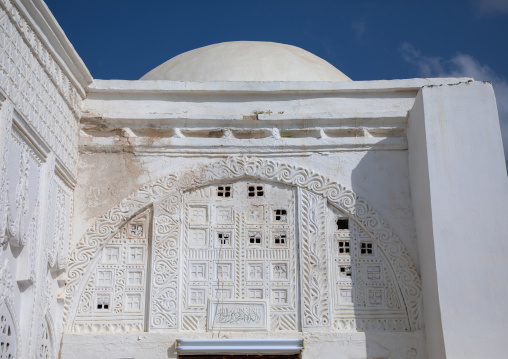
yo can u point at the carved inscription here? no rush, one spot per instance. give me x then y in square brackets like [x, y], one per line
[237, 315]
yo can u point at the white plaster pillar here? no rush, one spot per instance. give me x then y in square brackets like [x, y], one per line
[459, 191]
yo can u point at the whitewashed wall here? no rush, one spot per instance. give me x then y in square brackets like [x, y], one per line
[40, 109]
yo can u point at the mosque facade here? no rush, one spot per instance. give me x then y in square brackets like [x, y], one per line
[244, 198]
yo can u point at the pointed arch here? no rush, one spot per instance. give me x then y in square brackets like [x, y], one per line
[168, 187]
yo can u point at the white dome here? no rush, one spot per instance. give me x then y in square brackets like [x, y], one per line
[246, 61]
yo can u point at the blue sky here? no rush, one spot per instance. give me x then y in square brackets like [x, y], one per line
[367, 40]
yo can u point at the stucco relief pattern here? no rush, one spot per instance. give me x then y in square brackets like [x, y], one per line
[164, 294]
[22, 207]
[37, 86]
[315, 292]
[58, 229]
[9, 323]
[243, 167]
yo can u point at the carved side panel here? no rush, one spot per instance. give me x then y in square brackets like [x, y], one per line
[23, 189]
[365, 295]
[45, 348]
[7, 334]
[165, 250]
[34, 82]
[313, 261]
[114, 298]
[58, 230]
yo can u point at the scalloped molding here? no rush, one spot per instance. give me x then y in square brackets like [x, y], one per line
[85, 254]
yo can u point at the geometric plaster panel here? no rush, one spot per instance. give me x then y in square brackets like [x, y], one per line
[114, 297]
[166, 193]
[238, 255]
[37, 86]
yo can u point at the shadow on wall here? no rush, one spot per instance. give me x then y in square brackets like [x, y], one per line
[382, 179]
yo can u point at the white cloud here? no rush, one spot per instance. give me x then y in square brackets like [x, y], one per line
[463, 65]
[492, 6]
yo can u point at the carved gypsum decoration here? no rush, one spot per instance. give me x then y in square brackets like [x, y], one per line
[315, 293]
[7, 309]
[46, 83]
[234, 168]
[164, 286]
[119, 279]
[58, 218]
[6, 110]
[22, 211]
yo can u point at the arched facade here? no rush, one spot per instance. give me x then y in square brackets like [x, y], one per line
[317, 199]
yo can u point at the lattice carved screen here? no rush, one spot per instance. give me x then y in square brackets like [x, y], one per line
[239, 256]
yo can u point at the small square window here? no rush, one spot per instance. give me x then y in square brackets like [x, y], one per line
[281, 215]
[103, 302]
[344, 247]
[224, 191]
[342, 223]
[280, 238]
[255, 191]
[345, 271]
[136, 230]
[224, 238]
[366, 248]
[254, 238]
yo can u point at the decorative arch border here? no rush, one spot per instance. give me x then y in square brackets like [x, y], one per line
[235, 168]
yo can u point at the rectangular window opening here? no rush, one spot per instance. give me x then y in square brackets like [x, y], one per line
[344, 247]
[280, 215]
[223, 238]
[102, 303]
[345, 271]
[224, 191]
[366, 248]
[280, 238]
[342, 223]
[255, 191]
[254, 238]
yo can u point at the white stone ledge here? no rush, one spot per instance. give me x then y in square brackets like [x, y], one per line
[206, 146]
[161, 117]
[121, 86]
[359, 114]
[239, 346]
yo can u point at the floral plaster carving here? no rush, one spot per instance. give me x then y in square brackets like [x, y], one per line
[85, 254]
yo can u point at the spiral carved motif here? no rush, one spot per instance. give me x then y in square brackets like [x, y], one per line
[230, 169]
